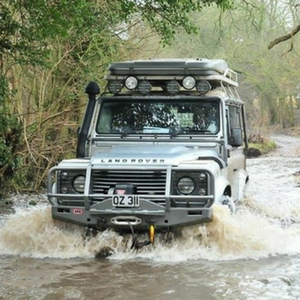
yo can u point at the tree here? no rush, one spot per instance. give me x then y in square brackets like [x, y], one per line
[26, 24]
[285, 38]
[290, 10]
[48, 49]
[268, 79]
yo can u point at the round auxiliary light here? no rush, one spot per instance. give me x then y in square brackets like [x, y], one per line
[115, 86]
[131, 83]
[64, 190]
[202, 176]
[173, 87]
[188, 82]
[202, 192]
[79, 183]
[145, 87]
[64, 175]
[186, 185]
[203, 87]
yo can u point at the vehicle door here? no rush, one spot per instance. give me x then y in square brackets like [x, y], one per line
[236, 150]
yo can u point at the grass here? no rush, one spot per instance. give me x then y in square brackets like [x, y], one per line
[262, 143]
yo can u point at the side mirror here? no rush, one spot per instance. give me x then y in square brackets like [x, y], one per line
[236, 137]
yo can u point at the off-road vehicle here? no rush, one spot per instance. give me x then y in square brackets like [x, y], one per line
[158, 149]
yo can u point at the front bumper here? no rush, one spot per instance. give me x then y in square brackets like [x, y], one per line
[103, 215]
[163, 209]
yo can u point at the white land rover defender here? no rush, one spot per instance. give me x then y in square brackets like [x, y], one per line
[158, 149]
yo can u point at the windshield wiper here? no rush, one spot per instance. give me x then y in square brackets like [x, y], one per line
[127, 131]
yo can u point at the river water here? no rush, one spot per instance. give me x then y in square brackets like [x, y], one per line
[253, 254]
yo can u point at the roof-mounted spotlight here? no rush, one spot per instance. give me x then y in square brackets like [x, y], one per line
[131, 83]
[173, 87]
[188, 82]
[145, 87]
[203, 87]
[115, 86]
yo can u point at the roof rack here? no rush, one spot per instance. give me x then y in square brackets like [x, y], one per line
[215, 71]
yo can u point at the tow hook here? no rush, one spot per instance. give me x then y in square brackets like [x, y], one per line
[151, 233]
[136, 244]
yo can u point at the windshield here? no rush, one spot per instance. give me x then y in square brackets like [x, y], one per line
[159, 117]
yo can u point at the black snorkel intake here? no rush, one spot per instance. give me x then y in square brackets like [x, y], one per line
[92, 89]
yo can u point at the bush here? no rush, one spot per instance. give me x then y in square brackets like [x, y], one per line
[259, 145]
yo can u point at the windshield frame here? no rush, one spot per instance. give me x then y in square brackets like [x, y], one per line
[174, 99]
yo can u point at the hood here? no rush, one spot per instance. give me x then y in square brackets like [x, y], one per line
[154, 155]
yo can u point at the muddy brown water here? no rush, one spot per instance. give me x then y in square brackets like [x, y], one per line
[253, 254]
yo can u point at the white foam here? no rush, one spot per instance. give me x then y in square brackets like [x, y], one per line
[244, 235]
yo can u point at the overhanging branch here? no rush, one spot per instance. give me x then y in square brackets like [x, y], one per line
[284, 38]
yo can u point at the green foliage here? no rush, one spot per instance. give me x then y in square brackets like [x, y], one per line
[167, 16]
[268, 79]
[9, 135]
[262, 143]
[29, 27]
[49, 50]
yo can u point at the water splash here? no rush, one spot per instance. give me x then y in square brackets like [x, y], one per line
[244, 235]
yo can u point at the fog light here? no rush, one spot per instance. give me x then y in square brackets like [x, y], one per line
[203, 87]
[115, 86]
[202, 176]
[202, 192]
[131, 83]
[145, 87]
[64, 174]
[64, 189]
[79, 183]
[173, 87]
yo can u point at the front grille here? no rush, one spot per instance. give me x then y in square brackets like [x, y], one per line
[146, 182]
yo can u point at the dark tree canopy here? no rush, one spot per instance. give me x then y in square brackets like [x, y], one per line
[48, 49]
[28, 26]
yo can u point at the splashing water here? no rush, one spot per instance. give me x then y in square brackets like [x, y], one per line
[251, 254]
[244, 235]
[35, 234]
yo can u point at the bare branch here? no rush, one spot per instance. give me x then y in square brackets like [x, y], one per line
[284, 38]
[291, 48]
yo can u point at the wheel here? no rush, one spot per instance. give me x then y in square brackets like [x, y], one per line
[229, 202]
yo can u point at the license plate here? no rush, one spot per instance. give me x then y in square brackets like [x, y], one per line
[125, 201]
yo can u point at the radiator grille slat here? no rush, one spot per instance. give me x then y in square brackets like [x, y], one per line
[149, 182]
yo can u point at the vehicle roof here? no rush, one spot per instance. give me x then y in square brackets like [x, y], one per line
[215, 71]
[175, 66]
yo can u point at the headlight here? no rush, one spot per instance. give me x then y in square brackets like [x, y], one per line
[186, 185]
[79, 183]
[188, 82]
[131, 83]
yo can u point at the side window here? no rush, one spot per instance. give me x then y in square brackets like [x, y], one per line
[235, 126]
[235, 117]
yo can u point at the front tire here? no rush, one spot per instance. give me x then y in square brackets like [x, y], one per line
[226, 200]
